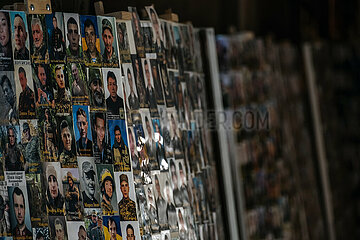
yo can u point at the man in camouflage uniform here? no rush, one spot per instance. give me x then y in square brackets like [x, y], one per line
[72, 197]
[26, 99]
[67, 157]
[96, 233]
[91, 55]
[107, 190]
[14, 159]
[127, 207]
[109, 55]
[31, 149]
[120, 152]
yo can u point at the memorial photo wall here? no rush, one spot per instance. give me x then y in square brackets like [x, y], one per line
[100, 129]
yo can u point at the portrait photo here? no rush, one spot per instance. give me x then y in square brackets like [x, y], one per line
[112, 229]
[139, 81]
[108, 41]
[89, 182]
[130, 230]
[6, 54]
[126, 197]
[41, 233]
[150, 95]
[20, 37]
[76, 230]
[8, 101]
[107, 189]
[119, 145]
[13, 157]
[76, 74]
[101, 146]
[73, 42]
[38, 38]
[30, 144]
[96, 89]
[158, 180]
[44, 95]
[25, 96]
[37, 201]
[58, 228]
[90, 40]
[56, 34]
[137, 31]
[19, 212]
[125, 40]
[61, 86]
[132, 101]
[82, 125]
[72, 193]
[66, 140]
[151, 205]
[114, 93]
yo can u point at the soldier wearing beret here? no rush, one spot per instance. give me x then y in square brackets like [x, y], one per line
[109, 54]
[127, 207]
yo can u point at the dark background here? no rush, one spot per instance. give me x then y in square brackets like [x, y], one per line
[295, 20]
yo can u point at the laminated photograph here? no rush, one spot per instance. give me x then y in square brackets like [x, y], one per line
[108, 42]
[112, 230]
[137, 31]
[89, 182]
[82, 127]
[126, 196]
[58, 228]
[76, 74]
[38, 38]
[114, 93]
[61, 86]
[30, 145]
[151, 205]
[6, 54]
[66, 140]
[47, 132]
[157, 32]
[155, 73]
[74, 51]
[55, 201]
[130, 230]
[150, 93]
[158, 183]
[8, 101]
[125, 40]
[43, 86]
[96, 89]
[160, 154]
[107, 189]
[101, 146]
[12, 155]
[20, 37]
[139, 81]
[90, 39]
[149, 45]
[56, 34]
[119, 145]
[132, 100]
[25, 96]
[76, 230]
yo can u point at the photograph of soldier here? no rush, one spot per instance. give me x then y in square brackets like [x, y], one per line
[182, 183]
[30, 145]
[170, 208]
[67, 152]
[5, 42]
[153, 214]
[182, 224]
[143, 213]
[126, 196]
[168, 94]
[157, 31]
[131, 92]
[12, 154]
[79, 91]
[38, 39]
[113, 92]
[90, 40]
[82, 131]
[55, 28]
[144, 159]
[8, 96]
[165, 235]
[24, 91]
[96, 88]
[37, 206]
[150, 91]
[88, 182]
[76, 230]
[137, 31]
[119, 148]
[159, 142]
[61, 89]
[47, 133]
[138, 77]
[175, 136]
[96, 232]
[108, 42]
[58, 230]
[73, 200]
[44, 95]
[160, 201]
[112, 229]
[101, 147]
[177, 195]
[20, 215]
[130, 230]
[20, 36]
[125, 40]
[150, 145]
[107, 189]
[55, 202]
[5, 227]
[157, 83]
[148, 36]
[72, 29]
[133, 151]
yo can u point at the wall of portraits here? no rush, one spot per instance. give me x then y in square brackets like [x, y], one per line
[99, 130]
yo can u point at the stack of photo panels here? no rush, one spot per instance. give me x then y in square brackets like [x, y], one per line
[100, 135]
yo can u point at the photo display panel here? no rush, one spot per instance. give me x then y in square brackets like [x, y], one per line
[98, 135]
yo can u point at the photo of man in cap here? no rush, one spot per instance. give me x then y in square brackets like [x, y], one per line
[72, 198]
[91, 54]
[114, 102]
[88, 176]
[96, 88]
[20, 35]
[107, 186]
[14, 159]
[18, 199]
[109, 54]
[83, 144]
[54, 200]
[127, 207]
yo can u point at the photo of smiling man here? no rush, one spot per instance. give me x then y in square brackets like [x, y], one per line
[88, 182]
